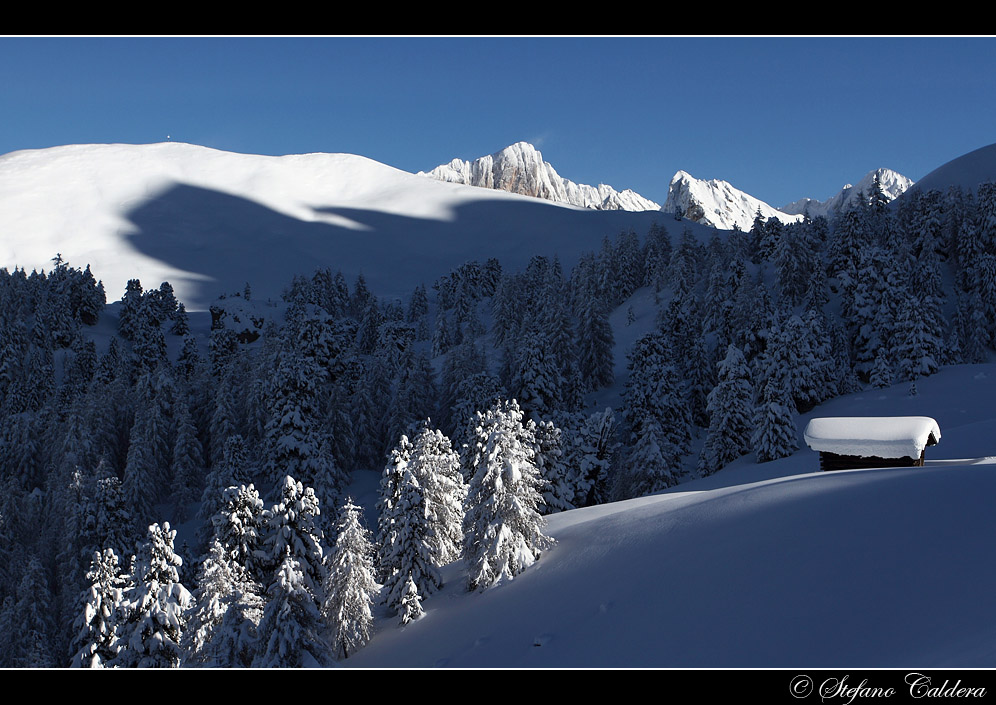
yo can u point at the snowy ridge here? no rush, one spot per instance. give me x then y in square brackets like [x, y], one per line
[966, 172]
[893, 185]
[209, 221]
[520, 169]
[717, 203]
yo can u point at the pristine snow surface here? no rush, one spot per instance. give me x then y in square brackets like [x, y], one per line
[887, 437]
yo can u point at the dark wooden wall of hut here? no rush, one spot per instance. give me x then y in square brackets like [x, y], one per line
[833, 461]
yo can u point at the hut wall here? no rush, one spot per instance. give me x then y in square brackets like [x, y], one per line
[833, 461]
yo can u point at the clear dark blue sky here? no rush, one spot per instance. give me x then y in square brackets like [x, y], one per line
[780, 118]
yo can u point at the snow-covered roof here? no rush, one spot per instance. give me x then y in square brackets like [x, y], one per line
[865, 436]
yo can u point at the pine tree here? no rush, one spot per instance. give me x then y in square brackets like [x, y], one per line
[33, 620]
[598, 448]
[503, 530]
[410, 607]
[774, 427]
[730, 414]
[437, 468]
[352, 586]
[294, 444]
[188, 464]
[291, 529]
[594, 339]
[388, 513]
[881, 375]
[290, 631]
[656, 257]
[548, 454]
[654, 394]
[97, 629]
[228, 608]
[537, 381]
[649, 462]
[154, 609]
[413, 553]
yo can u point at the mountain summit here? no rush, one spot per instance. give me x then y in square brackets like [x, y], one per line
[717, 203]
[520, 169]
[893, 185]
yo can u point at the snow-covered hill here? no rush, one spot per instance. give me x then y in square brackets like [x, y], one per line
[893, 185]
[209, 221]
[717, 203]
[967, 171]
[520, 169]
[759, 565]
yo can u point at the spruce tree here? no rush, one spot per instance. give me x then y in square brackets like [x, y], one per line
[154, 609]
[730, 414]
[503, 530]
[774, 425]
[96, 626]
[352, 586]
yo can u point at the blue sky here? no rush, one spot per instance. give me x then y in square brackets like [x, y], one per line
[781, 118]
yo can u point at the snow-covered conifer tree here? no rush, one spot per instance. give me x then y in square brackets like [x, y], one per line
[503, 530]
[154, 609]
[290, 631]
[291, 529]
[413, 550]
[352, 586]
[228, 606]
[410, 607]
[730, 414]
[96, 626]
[437, 467]
[774, 425]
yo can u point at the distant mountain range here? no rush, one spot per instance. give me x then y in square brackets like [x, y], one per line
[520, 169]
[893, 185]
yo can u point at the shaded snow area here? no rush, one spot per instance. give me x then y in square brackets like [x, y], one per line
[967, 171]
[759, 565]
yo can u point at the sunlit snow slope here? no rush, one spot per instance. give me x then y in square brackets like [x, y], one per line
[209, 221]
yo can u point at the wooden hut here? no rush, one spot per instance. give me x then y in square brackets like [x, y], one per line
[871, 441]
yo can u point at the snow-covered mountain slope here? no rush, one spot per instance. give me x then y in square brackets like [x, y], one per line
[893, 185]
[717, 203]
[967, 171]
[759, 565]
[209, 221]
[520, 169]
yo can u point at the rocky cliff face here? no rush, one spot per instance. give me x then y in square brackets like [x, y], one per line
[520, 169]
